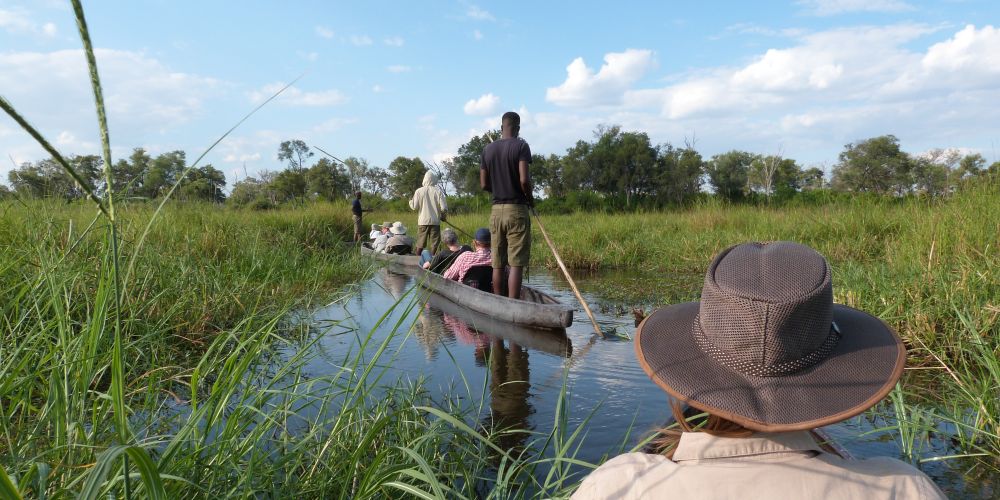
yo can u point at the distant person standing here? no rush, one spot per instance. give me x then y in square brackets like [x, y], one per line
[356, 210]
[429, 201]
[503, 171]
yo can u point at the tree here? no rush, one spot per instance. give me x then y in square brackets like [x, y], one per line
[577, 167]
[407, 175]
[811, 178]
[727, 173]
[377, 181]
[48, 178]
[623, 162]
[547, 175]
[678, 173]
[289, 185]
[773, 174]
[203, 184]
[326, 181]
[128, 174]
[163, 172]
[356, 170]
[970, 167]
[295, 152]
[873, 165]
[464, 169]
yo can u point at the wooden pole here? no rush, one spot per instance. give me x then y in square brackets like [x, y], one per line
[569, 278]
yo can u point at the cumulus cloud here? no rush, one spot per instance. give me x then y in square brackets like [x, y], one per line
[831, 7]
[360, 40]
[484, 105]
[584, 87]
[394, 41]
[324, 32]
[294, 96]
[479, 14]
[398, 68]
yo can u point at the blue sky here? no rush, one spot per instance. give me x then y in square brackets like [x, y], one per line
[383, 79]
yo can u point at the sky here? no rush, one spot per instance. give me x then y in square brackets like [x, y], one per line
[380, 79]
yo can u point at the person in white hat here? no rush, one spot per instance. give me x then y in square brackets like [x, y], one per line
[399, 242]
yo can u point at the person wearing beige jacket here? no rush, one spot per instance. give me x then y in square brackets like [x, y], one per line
[430, 203]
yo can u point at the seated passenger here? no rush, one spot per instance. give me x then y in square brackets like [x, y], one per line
[480, 257]
[382, 238]
[376, 230]
[440, 262]
[767, 356]
[399, 243]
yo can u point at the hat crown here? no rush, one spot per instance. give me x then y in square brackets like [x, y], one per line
[767, 309]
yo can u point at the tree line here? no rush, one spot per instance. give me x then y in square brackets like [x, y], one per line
[617, 169]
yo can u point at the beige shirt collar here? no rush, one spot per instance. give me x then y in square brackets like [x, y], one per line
[704, 446]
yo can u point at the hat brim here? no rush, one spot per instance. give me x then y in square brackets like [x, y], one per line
[862, 368]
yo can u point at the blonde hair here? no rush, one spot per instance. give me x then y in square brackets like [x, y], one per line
[668, 437]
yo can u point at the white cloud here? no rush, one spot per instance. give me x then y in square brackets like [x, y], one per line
[240, 158]
[475, 12]
[333, 125]
[309, 56]
[294, 96]
[969, 50]
[831, 7]
[394, 41]
[377, 88]
[484, 105]
[398, 68]
[18, 22]
[478, 35]
[324, 32]
[360, 40]
[49, 29]
[583, 87]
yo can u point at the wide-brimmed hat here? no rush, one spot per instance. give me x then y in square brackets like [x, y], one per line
[766, 347]
[397, 228]
[376, 227]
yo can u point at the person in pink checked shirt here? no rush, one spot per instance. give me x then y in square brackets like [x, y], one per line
[480, 257]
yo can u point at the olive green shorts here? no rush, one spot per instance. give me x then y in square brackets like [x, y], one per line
[429, 237]
[357, 224]
[510, 232]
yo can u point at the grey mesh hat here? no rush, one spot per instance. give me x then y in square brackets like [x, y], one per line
[766, 347]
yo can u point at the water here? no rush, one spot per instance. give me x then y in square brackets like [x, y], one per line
[516, 374]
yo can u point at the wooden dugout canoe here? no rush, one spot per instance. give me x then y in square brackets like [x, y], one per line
[535, 309]
[402, 260]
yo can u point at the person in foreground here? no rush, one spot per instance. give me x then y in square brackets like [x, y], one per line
[480, 257]
[503, 171]
[440, 262]
[379, 242]
[429, 201]
[768, 356]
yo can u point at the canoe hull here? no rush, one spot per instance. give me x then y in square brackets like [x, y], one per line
[399, 260]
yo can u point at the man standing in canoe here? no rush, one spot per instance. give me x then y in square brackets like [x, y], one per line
[430, 202]
[356, 211]
[503, 171]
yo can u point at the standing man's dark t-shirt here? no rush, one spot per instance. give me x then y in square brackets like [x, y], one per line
[500, 159]
[356, 207]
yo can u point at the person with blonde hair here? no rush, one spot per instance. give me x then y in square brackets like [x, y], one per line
[766, 356]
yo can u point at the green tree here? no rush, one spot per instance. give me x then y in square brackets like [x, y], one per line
[577, 167]
[203, 184]
[295, 152]
[326, 181]
[163, 172]
[377, 181]
[970, 167]
[289, 185]
[128, 174]
[407, 175]
[47, 178]
[873, 165]
[547, 174]
[727, 173]
[623, 163]
[773, 174]
[812, 178]
[356, 170]
[678, 173]
[463, 171]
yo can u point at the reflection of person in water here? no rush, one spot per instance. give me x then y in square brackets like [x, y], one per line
[431, 331]
[509, 393]
[394, 283]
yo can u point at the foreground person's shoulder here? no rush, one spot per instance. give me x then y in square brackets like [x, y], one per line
[615, 478]
[905, 480]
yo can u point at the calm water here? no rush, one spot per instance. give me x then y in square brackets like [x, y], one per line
[521, 370]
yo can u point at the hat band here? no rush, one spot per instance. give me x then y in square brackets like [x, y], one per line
[769, 370]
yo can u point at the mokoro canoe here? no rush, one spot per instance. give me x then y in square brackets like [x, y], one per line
[404, 260]
[552, 341]
[535, 309]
